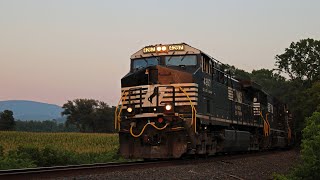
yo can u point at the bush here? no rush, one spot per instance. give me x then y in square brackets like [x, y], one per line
[27, 153]
[277, 176]
[55, 157]
[15, 163]
[1, 151]
[310, 169]
[49, 156]
[31, 156]
[310, 152]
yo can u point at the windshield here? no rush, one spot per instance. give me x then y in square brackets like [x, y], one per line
[185, 60]
[144, 62]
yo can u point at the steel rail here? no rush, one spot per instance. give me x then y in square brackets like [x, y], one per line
[75, 170]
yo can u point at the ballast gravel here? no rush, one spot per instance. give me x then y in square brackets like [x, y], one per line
[248, 167]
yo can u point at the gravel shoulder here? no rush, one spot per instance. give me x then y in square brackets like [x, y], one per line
[248, 167]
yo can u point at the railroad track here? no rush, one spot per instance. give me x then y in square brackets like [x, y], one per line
[75, 170]
[78, 170]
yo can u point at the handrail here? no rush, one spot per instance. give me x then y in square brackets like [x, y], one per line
[194, 111]
[289, 131]
[116, 112]
[116, 115]
[266, 125]
[289, 134]
[144, 127]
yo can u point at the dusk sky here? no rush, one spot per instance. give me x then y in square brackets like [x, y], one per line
[54, 51]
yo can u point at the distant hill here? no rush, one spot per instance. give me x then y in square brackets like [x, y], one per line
[31, 110]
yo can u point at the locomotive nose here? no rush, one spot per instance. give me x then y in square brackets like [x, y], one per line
[143, 76]
[156, 75]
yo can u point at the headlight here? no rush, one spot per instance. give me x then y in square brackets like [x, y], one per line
[168, 107]
[129, 109]
[162, 48]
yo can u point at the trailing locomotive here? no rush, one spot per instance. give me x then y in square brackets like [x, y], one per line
[177, 100]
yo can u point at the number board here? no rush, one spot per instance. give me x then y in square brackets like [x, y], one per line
[150, 49]
[176, 47]
[173, 47]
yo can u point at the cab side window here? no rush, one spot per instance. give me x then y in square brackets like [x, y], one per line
[206, 65]
[220, 77]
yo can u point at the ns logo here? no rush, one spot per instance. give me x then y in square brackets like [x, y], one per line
[151, 96]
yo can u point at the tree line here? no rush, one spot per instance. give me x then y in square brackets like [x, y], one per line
[83, 115]
[43, 126]
[89, 115]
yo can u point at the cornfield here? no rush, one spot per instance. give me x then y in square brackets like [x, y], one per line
[74, 142]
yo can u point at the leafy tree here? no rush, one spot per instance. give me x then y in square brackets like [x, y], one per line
[301, 60]
[80, 112]
[104, 121]
[43, 126]
[238, 73]
[270, 81]
[6, 120]
[310, 100]
[241, 74]
[88, 115]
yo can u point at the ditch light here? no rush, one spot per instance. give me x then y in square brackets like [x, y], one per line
[129, 109]
[168, 107]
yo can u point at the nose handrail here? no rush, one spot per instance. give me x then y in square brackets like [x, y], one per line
[289, 134]
[117, 112]
[194, 111]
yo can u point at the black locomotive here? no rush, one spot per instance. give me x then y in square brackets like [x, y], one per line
[177, 100]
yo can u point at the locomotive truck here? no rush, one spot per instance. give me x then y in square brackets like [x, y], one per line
[177, 100]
